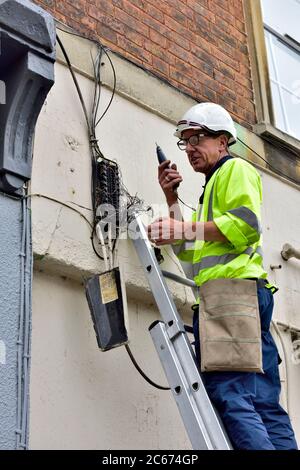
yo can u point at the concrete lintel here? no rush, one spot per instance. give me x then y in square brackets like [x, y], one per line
[137, 287]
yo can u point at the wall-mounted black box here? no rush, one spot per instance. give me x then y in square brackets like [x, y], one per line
[107, 302]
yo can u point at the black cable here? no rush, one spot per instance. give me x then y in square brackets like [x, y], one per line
[271, 166]
[61, 203]
[97, 90]
[113, 91]
[76, 83]
[93, 243]
[160, 387]
[95, 150]
[104, 49]
[190, 207]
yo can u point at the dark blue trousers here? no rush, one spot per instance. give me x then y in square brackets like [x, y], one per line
[248, 402]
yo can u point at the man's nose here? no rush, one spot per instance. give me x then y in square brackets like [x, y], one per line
[189, 148]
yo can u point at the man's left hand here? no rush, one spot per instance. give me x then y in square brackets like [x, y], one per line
[165, 231]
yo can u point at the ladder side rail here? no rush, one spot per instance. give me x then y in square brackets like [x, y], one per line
[176, 333]
[185, 400]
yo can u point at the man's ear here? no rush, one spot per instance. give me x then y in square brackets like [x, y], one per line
[223, 141]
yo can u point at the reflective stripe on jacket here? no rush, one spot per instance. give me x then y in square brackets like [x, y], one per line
[232, 199]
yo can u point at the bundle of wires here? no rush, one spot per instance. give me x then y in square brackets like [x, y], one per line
[112, 190]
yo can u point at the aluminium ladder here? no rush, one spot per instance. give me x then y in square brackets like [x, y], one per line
[200, 419]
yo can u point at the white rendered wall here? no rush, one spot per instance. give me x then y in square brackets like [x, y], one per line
[81, 397]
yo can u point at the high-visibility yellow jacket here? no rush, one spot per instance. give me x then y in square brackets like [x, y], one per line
[232, 199]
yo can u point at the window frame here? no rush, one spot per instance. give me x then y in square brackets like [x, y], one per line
[265, 126]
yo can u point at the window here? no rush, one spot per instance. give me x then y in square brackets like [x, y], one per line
[282, 35]
[274, 45]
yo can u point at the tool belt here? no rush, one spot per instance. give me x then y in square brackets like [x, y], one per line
[229, 326]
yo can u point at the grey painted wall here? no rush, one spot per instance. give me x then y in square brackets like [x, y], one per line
[27, 56]
[10, 275]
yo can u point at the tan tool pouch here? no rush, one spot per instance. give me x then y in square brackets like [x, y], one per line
[229, 324]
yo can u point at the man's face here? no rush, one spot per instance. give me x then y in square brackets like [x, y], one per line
[205, 155]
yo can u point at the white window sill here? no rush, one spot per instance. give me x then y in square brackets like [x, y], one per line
[272, 134]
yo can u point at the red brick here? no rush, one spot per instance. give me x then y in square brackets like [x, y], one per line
[244, 61]
[227, 71]
[245, 103]
[240, 25]
[184, 67]
[203, 3]
[158, 38]
[155, 13]
[111, 23]
[50, 4]
[176, 38]
[142, 4]
[245, 70]
[237, 10]
[79, 4]
[161, 66]
[69, 10]
[225, 36]
[176, 15]
[180, 6]
[132, 58]
[231, 107]
[103, 6]
[220, 12]
[241, 37]
[131, 22]
[134, 37]
[107, 33]
[202, 33]
[89, 23]
[202, 10]
[229, 94]
[232, 85]
[160, 52]
[199, 46]
[223, 80]
[244, 49]
[189, 82]
[208, 58]
[178, 28]
[209, 94]
[221, 23]
[233, 63]
[178, 51]
[202, 22]
[200, 42]
[195, 73]
[224, 4]
[133, 49]
[245, 82]
[152, 23]
[227, 49]
[185, 89]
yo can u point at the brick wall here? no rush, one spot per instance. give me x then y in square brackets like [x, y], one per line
[199, 46]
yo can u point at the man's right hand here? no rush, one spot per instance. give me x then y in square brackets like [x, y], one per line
[168, 177]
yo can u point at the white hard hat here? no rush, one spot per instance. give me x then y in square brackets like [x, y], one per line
[209, 116]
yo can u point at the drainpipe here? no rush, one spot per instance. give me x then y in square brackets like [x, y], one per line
[27, 56]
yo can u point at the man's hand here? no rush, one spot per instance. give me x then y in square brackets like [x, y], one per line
[165, 231]
[169, 177]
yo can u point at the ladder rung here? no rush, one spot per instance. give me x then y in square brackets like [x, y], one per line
[179, 279]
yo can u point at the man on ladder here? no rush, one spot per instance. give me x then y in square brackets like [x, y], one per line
[238, 358]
